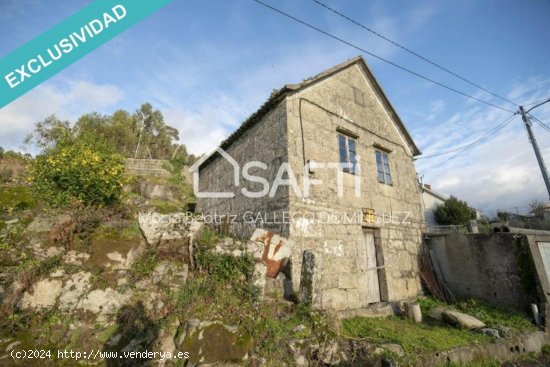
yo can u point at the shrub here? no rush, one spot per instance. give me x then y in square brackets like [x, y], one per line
[454, 212]
[6, 175]
[78, 172]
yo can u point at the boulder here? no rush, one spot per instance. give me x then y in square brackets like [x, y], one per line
[394, 348]
[329, 353]
[103, 302]
[170, 274]
[171, 233]
[276, 250]
[43, 252]
[212, 342]
[299, 348]
[42, 295]
[45, 222]
[74, 289]
[436, 313]
[461, 320]
[165, 342]
[274, 287]
[151, 190]
[75, 258]
[493, 333]
[504, 331]
[164, 227]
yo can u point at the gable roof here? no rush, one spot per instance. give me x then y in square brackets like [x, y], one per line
[278, 95]
[427, 190]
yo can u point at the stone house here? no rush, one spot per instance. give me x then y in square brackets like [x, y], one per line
[362, 217]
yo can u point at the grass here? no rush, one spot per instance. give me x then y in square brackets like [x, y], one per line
[16, 198]
[433, 336]
[145, 266]
[167, 207]
[222, 288]
[490, 315]
[414, 338]
[126, 231]
[131, 231]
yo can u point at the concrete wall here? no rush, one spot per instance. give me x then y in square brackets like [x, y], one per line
[497, 268]
[319, 111]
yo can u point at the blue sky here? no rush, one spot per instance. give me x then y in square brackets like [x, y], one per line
[208, 64]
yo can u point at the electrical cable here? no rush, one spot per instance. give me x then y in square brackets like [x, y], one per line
[494, 130]
[379, 57]
[479, 142]
[411, 52]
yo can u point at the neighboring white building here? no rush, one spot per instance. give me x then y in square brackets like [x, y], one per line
[431, 201]
[546, 208]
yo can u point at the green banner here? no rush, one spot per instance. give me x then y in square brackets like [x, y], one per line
[73, 38]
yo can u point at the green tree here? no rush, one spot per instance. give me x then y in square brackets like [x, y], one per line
[155, 136]
[50, 132]
[122, 131]
[454, 212]
[536, 207]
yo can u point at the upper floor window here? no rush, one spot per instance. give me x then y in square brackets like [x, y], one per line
[347, 153]
[383, 167]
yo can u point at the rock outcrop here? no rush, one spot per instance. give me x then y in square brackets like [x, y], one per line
[461, 320]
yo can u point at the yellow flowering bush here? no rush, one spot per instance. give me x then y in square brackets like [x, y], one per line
[78, 172]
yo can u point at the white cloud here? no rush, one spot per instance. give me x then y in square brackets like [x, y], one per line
[206, 104]
[435, 108]
[500, 174]
[67, 99]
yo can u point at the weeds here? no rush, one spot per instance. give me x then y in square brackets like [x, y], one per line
[414, 338]
[16, 198]
[490, 315]
[146, 265]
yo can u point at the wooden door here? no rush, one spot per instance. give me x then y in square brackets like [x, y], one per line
[371, 284]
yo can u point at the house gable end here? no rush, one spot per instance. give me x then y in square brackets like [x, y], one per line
[352, 93]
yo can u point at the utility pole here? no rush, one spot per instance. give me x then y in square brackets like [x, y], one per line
[540, 159]
[143, 117]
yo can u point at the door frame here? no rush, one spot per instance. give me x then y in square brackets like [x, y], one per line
[380, 261]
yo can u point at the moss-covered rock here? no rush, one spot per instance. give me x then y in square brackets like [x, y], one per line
[214, 342]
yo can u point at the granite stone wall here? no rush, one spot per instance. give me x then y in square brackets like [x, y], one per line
[348, 102]
[146, 167]
[266, 143]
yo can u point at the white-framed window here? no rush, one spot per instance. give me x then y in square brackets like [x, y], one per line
[383, 167]
[347, 148]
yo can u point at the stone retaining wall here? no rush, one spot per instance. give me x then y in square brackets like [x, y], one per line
[146, 167]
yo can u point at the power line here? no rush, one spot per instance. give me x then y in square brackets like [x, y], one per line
[546, 127]
[379, 57]
[479, 142]
[538, 103]
[487, 135]
[410, 51]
